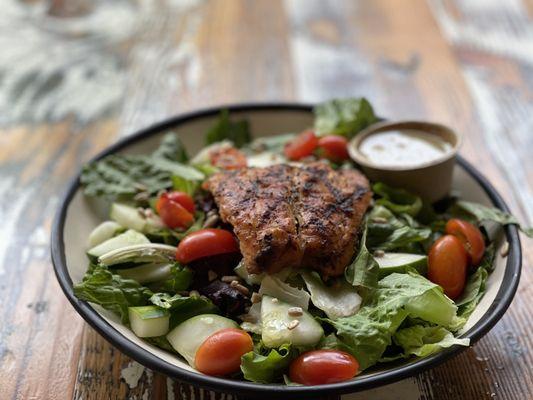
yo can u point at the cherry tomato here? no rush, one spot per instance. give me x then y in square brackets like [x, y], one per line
[182, 198]
[301, 146]
[220, 354]
[228, 158]
[471, 237]
[447, 263]
[335, 147]
[173, 214]
[205, 243]
[319, 367]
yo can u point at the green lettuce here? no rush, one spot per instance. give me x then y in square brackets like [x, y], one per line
[124, 176]
[397, 200]
[472, 293]
[181, 279]
[423, 341]
[268, 367]
[238, 132]
[345, 117]
[183, 307]
[483, 213]
[112, 292]
[364, 270]
[368, 333]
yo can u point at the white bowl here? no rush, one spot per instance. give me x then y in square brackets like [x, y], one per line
[78, 215]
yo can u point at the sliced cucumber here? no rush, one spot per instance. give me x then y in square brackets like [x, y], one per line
[139, 253]
[131, 218]
[188, 336]
[128, 238]
[106, 230]
[149, 321]
[147, 273]
[276, 324]
[399, 262]
[273, 286]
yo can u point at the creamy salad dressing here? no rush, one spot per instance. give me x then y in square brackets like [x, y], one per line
[405, 148]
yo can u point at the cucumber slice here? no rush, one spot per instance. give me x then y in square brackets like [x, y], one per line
[131, 218]
[149, 321]
[276, 321]
[106, 230]
[139, 253]
[188, 336]
[399, 262]
[147, 273]
[128, 238]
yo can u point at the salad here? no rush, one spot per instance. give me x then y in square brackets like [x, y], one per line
[275, 261]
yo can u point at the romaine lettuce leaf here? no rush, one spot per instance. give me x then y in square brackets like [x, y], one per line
[367, 334]
[183, 307]
[124, 176]
[269, 367]
[238, 132]
[397, 200]
[423, 341]
[181, 279]
[345, 117]
[473, 292]
[483, 213]
[111, 291]
[364, 270]
[338, 300]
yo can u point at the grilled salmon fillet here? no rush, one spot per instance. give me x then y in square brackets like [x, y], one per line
[293, 216]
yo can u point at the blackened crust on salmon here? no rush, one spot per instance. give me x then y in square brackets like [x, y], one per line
[288, 216]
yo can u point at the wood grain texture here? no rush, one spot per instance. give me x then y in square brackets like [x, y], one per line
[80, 74]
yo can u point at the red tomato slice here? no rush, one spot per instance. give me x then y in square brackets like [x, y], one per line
[173, 214]
[335, 147]
[447, 263]
[228, 158]
[205, 243]
[471, 237]
[301, 146]
[220, 354]
[181, 198]
[319, 367]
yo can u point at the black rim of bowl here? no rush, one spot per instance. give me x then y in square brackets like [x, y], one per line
[494, 313]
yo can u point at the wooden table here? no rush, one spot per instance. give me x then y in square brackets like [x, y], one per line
[77, 75]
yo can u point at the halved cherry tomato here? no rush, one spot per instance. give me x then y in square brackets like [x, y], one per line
[220, 354]
[335, 147]
[471, 237]
[227, 158]
[181, 198]
[319, 367]
[301, 146]
[172, 213]
[205, 243]
[447, 263]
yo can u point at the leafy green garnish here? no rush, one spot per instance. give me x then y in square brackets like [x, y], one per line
[124, 176]
[161, 342]
[181, 184]
[483, 213]
[171, 149]
[183, 307]
[268, 367]
[398, 201]
[345, 117]
[181, 279]
[111, 291]
[238, 132]
[472, 293]
[364, 270]
[423, 341]
[367, 334]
